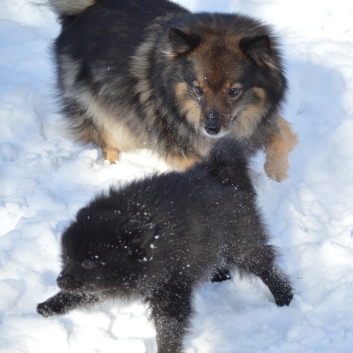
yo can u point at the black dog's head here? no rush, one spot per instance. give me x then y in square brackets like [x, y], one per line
[102, 251]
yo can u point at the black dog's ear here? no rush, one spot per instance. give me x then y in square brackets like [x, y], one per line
[141, 235]
[228, 164]
[181, 42]
[258, 48]
[82, 213]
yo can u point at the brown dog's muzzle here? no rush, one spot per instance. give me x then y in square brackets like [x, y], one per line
[212, 123]
[216, 123]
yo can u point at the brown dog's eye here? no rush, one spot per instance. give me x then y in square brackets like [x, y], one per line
[233, 92]
[198, 90]
[88, 264]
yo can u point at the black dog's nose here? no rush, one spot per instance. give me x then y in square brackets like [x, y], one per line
[62, 281]
[212, 127]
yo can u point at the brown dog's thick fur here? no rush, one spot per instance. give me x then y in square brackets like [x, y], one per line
[149, 74]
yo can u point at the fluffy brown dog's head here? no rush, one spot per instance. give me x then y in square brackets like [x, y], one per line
[227, 73]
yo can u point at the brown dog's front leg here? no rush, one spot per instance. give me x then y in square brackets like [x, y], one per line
[277, 150]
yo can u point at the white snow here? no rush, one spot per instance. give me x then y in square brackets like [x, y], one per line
[45, 178]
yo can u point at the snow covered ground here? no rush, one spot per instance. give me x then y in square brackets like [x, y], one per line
[45, 179]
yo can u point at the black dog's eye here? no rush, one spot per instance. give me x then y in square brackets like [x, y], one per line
[198, 90]
[88, 264]
[233, 92]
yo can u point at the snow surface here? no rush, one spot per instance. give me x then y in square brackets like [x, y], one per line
[45, 179]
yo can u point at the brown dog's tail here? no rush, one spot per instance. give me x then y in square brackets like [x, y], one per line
[69, 7]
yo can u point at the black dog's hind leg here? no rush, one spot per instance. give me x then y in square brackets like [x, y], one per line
[278, 284]
[221, 274]
[171, 308]
[261, 261]
[63, 302]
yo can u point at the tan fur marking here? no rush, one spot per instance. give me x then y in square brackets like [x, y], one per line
[107, 121]
[180, 90]
[186, 105]
[277, 165]
[111, 155]
[193, 111]
[249, 118]
[124, 138]
[110, 149]
[109, 132]
[181, 162]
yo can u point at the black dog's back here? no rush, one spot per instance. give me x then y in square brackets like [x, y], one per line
[227, 162]
[208, 215]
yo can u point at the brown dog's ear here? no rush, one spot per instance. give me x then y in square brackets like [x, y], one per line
[258, 48]
[181, 42]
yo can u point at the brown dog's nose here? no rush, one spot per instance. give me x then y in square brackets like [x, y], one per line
[213, 124]
[213, 127]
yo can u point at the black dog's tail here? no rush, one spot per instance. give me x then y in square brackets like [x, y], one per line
[70, 7]
[228, 163]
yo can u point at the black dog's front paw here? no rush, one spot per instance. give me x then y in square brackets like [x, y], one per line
[59, 304]
[53, 306]
[62, 303]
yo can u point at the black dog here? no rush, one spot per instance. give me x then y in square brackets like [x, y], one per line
[159, 238]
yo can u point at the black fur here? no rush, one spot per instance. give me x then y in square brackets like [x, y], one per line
[159, 238]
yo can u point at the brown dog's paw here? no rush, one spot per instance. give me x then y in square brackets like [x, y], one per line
[276, 168]
[111, 155]
[277, 150]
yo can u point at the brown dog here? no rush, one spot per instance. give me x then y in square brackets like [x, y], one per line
[149, 74]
